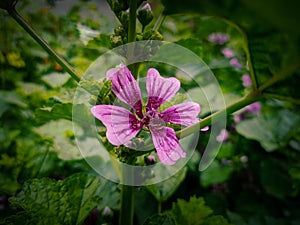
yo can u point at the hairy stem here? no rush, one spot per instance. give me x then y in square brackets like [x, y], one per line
[132, 36]
[252, 97]
[127, 192]
[132, 20]
[127, 205]
[61, 61]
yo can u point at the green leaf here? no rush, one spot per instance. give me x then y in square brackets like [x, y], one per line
[281, 13]
[177, 99]
[236, 218]
[160, 219]
[275, 179]
[216, 220]
[102, 40]
[19, 218]
[192, 44]
[30, 158]
[60, 202]
[207, 97]
[215, 173]
[56, 79]
[272, 130]
[142, 198]
[164, 190]
[12, 98]
[193, 212]
[61, 132]
[56, 112]
[63, 111]
[86, 33]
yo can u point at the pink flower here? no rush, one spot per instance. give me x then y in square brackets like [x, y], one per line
[122, 125]
[235, 63]
[227, 52]
[223, 136]
[254, 108]
[218, 38]
[246, 80]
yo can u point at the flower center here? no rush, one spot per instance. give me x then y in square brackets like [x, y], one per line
[152, 120]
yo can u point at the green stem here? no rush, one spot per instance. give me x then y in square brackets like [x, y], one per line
[248, 55]
[132, 36]
[159, 208]
[61, 61]
[283, 98]
[132, 21]
[127, 205]
[250, 65]
[127, 192]
[252, 97]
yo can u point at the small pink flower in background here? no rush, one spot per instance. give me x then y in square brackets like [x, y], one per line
[254, 108]
[246, 80]
[218, 38]
[223, 136]
[227, 52]
[107, 211]
[235, 63]
[123, 125]
[238, 117]
[244, 159]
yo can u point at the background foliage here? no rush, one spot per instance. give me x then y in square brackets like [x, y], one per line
[255, 178]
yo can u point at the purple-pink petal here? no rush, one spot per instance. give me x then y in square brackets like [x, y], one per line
[167, 145]
[126, 88]
[255, 108]
[246, 80]
[121, 125]
[223, 136]
[218, 38]
[159, 89]
[235, 63]
[185, 114]
[227, 52]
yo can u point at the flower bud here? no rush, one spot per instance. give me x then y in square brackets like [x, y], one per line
[116, 40]
[114, 5]
[145, 14]
[152, 35]
[150, 160]
[93, 100]
[120, 31]
[139, 37]
[124, 4]
[124, 19]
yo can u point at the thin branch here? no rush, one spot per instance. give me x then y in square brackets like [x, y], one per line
[60, 60]
[252, 97]
[282, 98]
